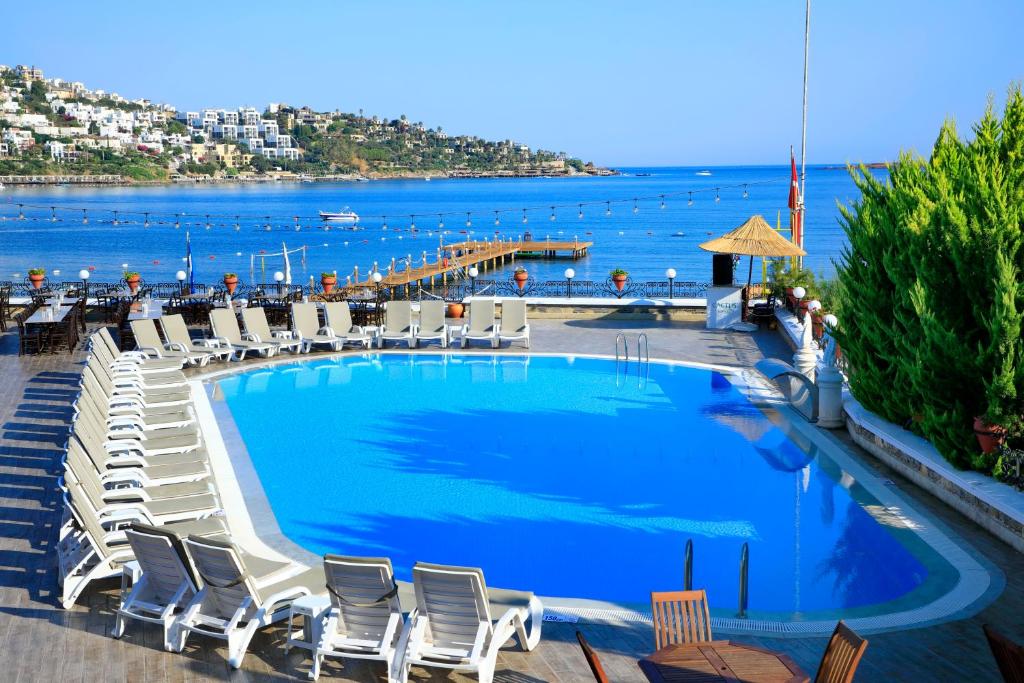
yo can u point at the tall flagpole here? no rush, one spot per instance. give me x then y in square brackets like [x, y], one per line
[803, 132]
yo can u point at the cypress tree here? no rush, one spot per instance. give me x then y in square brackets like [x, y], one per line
[933, 286]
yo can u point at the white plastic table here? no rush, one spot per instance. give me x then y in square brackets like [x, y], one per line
[313, 610]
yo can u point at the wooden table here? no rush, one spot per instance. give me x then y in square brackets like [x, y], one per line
[720, 660]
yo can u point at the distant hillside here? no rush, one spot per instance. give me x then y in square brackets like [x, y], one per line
[50, 126]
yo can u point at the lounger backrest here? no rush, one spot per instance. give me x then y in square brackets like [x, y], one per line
[85, 516]
[305, 319]
[256, 323]
[107, 341]
[398, 317]
[160, 554]
[363, 591]
[339, 317]
[481, 316]
[432, 317]
[146, 335]
[454, 600]
[175, 330]
[76, 475]
[225, 324]
[513, 316]
[219, 568]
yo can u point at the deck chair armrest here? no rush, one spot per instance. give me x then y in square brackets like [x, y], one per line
[358, 329]
[283, 334]
[215, 343]
[327, 331]
[175, 346]
[148, 351]
[477, 653]
[249, 336]
[410, 639]
[503, 631]
[129, 355]
[275, 601]
[220, 341]
[132, 422]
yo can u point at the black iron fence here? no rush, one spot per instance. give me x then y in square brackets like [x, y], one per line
[454, 291]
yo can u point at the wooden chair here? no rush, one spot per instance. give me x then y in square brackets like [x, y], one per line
[1009, 655]
[680, 617]
[592, 659]
[845, 648]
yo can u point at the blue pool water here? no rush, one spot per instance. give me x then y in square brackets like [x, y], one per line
[558, 475]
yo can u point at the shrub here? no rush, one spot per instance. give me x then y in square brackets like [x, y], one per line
[932, 286]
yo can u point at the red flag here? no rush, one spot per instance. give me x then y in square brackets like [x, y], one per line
[794, 186]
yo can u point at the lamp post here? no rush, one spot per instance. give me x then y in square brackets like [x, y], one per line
[799, 293]
[180, 276]
[377, 277]
[473, 272]
[83, 275]
[278, 278]
[671, 275]
[569, 275]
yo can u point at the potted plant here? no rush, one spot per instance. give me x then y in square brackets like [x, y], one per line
[328, 281]
[456, 309]
[619, 278]
[231, 282]
[36, 277]
[520, 276]
[132, 279]
[990, 436]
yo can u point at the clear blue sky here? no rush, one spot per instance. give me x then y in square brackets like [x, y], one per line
[701, 82]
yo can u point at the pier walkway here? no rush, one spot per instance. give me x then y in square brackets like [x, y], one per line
[454, 261]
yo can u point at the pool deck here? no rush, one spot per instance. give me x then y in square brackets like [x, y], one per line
[41, 642]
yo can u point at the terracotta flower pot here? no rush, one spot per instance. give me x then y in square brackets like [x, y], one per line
[133, 284]
[232, 284]
[619, 281]
[990, 437]
[328, 284]
[37, 280]
[521, 277]
[455, 310]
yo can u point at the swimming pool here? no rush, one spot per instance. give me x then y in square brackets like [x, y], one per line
[572, 478]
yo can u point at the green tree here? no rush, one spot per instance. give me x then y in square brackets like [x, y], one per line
[932, 286]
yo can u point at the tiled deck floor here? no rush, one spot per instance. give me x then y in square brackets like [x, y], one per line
[41, 642]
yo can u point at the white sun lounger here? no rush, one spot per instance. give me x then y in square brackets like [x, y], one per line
[365, 618]
[147, 340]
[432, 323]
[258, 330]
[482, 325]
[339, 323]
[306, 323]
[451, 626]
[166, 585]
[178, 338]
[397, 324]
[226, 331]
[239, 595]
[85, 556]
[513, 325]
[103, 344]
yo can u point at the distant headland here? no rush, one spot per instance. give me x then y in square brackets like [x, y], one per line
[58, 131]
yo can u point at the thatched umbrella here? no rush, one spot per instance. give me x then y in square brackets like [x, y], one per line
[753, 238]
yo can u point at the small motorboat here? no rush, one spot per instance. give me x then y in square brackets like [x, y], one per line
[703, 172]
[679, 233]
[339, 216]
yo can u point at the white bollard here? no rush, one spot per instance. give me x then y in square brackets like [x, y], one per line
[830, 397]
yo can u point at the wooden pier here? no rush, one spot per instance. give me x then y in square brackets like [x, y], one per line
[453, 261]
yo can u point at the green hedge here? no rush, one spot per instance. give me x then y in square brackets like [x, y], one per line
[932, 287]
